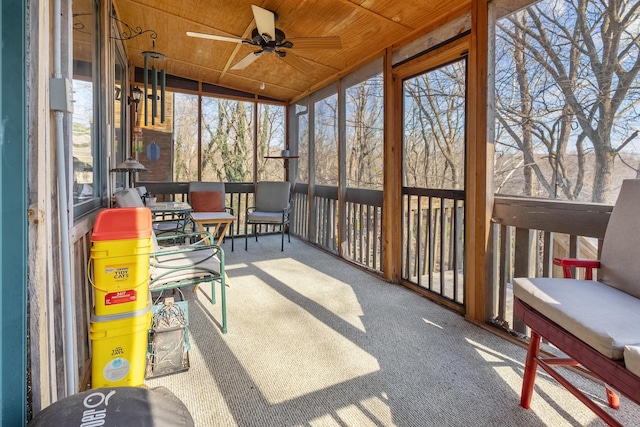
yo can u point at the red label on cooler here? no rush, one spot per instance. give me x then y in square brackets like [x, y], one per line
[120, 297]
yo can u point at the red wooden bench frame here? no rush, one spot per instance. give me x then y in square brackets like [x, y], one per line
[611, 372]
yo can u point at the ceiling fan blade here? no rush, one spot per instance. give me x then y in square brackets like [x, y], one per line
[297, 63]
[317, 43]
[246, 61]
[265, 21]
[213, 37]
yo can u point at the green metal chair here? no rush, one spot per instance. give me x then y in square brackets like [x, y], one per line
[186, 265]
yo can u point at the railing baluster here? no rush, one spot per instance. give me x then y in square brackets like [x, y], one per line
[443, 240]
[377, 236]
[454, 251]
[360, 236]
[407, 239]
[573, 251]
[369, 235]
[505, 268]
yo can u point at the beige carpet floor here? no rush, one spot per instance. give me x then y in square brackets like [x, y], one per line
[314, 341]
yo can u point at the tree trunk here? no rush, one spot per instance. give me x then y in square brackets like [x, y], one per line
[603, 175]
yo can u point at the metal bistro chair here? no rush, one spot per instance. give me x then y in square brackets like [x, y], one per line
[272, 207]
[209, 196]
[164, 222]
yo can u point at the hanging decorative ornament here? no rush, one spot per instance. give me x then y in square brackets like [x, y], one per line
[153, 152]
[150, 57]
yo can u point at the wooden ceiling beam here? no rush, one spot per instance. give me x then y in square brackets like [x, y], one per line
[376, 54]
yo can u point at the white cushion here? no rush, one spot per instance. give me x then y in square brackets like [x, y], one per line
[605, 318]
[632, 358]
[265, 217]
[198, 264]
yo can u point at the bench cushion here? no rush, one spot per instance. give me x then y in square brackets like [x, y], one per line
[180, 266]
[632, 358]
[603, 317]
[263, 217]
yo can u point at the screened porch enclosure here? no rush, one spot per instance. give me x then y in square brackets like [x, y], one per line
[336, 164]
[436, 149]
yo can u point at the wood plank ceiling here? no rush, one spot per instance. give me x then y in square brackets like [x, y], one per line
[366, 28]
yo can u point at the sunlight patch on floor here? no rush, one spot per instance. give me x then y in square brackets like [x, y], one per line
[340, 299]
[378, 409]
[500, 356]
[352, 415]
[429, 322]
[299, 350]
[327, 420]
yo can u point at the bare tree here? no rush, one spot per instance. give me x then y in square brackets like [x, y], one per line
[364, 107]
[270, 141]
[227, 141]
[326, 137]
[434, 139]
[185, 136]
[590, 51]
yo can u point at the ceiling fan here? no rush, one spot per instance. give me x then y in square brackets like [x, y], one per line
[270, 39]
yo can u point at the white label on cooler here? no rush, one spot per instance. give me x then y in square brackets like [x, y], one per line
[116, 369]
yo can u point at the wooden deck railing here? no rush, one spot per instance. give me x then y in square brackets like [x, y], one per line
[525, 237]
[433, 241]
[363, 227]
[239, 195]
[363, 216]
[362, 235]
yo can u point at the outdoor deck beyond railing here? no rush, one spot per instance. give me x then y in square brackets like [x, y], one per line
[525, 236]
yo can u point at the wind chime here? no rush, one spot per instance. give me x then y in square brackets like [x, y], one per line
[158, 78]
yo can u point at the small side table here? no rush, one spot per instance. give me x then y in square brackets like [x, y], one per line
[216, 220]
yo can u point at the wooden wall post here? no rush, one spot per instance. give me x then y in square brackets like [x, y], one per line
[392, 187]
[479, 186]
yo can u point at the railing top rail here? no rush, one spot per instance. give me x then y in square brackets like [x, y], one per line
[364, 196]
[326, 191]
[575, 218]
[434, 192]
[177, 187]
[354, 195]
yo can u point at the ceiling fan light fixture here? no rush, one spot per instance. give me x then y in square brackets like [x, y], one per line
[268, 39]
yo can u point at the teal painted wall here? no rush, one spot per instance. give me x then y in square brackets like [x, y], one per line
[13, 214]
